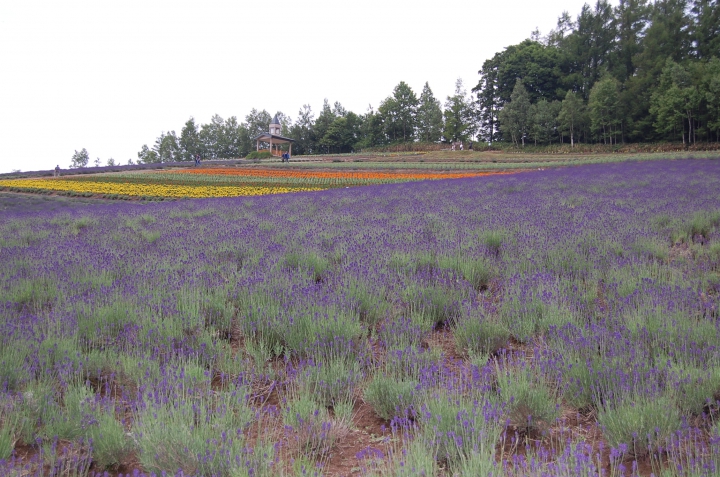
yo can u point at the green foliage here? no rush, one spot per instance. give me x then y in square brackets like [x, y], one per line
[110, 443]
[13, 371]
[675, 100]
[458, 426]
[331, 382]
[438, 304]
[80, 159]
[371, 307]
[694, 389]
[578, 389]
[478, 271]
[12, 421]
[571, 117]
[409, 458]
[315, 431]
[33, 293]
[259, 155]
[459, 115]
[317, 265]
[532, 405]
[604, 109]
[389, 396]
[652, 249]
[641, 424]
[515, 116]
[478, 335]
[196, 434]
[429, 116]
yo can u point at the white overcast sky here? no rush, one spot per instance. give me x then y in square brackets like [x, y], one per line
[111, 76]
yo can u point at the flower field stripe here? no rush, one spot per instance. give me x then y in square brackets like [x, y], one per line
[220, 182]
[363, 175]
[152, 190]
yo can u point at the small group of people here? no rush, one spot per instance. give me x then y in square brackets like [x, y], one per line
[197, 159]
[285, 157]
[461, 146]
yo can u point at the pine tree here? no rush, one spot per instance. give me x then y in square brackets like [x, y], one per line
[429, 116]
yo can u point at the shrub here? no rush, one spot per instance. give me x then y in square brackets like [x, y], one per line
[407, 459]
[317, 266]
[196, 434]
[458, 426]
[371, 307]
[477, 271]
[693, 388]
[110, 443]
[405, 332]
[578, 384]
[331, 382]
[641, 424]
[408, 363]
[532, 405]
[493, 240]
[259, 155]
[13, 355]
[439, 304]
[315, 432]
[389, 396]
[475, 335]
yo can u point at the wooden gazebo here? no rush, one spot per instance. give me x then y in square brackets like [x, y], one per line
[274, 138]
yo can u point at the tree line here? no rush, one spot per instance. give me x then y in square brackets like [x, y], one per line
[401, 117]
[642, 71]
[636, 72]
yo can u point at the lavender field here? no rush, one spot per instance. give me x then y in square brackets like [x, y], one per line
[561, 322]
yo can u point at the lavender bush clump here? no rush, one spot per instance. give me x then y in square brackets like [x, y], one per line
[197, 335]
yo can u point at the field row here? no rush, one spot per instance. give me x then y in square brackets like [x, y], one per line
[216, 182]
[555, 323]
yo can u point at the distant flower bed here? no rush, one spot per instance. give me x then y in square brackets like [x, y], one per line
[217, 182]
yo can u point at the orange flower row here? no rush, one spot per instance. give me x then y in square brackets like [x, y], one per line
[369, 175]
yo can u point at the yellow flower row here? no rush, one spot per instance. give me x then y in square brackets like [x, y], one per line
[154, 190]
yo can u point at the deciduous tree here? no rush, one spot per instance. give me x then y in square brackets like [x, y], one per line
[459, 115]
[80, 158]
[515, 116]
[572, 115]
[604, 105]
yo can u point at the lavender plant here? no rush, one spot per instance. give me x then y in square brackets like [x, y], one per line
[606, 278]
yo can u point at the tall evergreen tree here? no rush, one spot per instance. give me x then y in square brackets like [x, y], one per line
[712, 96]
[302, 131]
[631, 21]
[323, 122]
[488, 100]
[429, 116]
[706, 28]
[589, 46]
[189, 140]
[166, 147]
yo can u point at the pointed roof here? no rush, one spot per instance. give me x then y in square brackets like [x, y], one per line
[275, 120]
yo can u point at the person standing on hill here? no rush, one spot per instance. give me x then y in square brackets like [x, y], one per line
[57, 171]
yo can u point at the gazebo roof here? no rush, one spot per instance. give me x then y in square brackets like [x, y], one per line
[275, 120]
[266, 136]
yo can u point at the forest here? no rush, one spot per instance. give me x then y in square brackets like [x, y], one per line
[637, 72]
